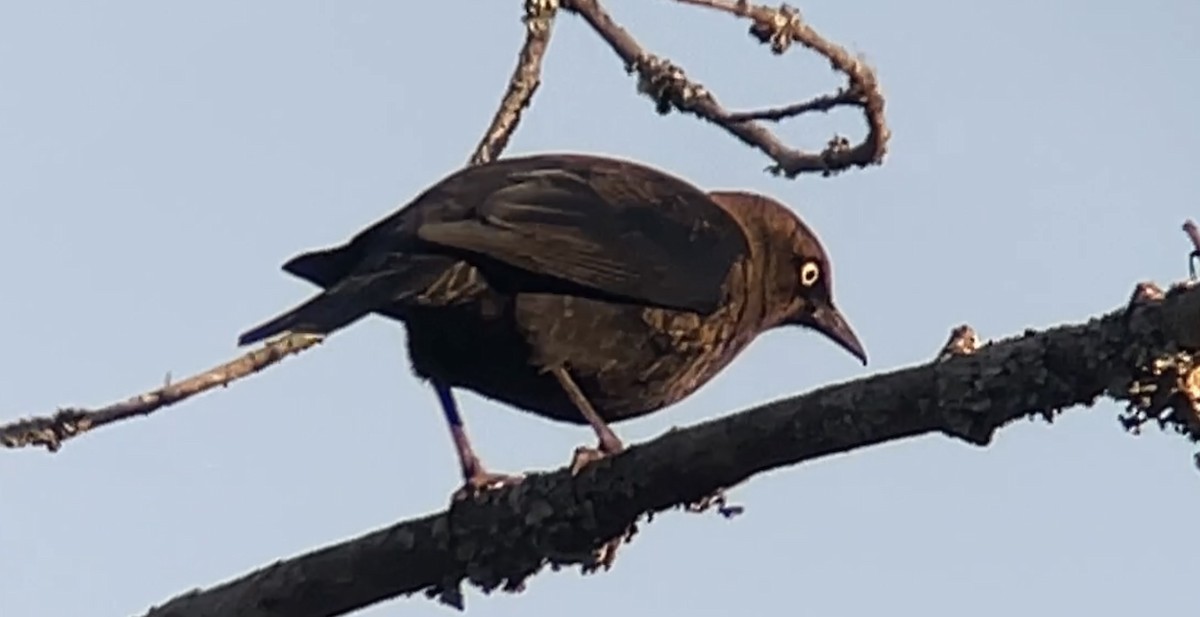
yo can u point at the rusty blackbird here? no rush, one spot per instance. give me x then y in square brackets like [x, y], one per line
[580, 288]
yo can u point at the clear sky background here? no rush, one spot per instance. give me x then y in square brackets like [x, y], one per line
[160, 160]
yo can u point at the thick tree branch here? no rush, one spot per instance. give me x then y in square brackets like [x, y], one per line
[1143, 354]
[670, 87]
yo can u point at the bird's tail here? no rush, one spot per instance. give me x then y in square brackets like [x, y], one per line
[325, 267]
[321, 314]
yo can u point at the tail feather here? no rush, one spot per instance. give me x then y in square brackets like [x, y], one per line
[322, 268]
[321, 314]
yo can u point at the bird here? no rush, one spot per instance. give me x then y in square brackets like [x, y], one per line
[585, 289]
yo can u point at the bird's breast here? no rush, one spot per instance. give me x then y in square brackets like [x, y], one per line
[691, 349]
[629, 360]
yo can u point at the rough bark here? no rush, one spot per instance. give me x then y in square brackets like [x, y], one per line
[1140, 354]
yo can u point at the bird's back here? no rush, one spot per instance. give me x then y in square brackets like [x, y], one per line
[681, 217]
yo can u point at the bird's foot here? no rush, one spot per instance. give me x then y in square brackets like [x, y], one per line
[716, 500]
[585, 456]
[609, 445]
[480, 481]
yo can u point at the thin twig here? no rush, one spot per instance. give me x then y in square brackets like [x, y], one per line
[1189, 228]
[51, 431]
[823, 103]
[670, 87]
[526, 77]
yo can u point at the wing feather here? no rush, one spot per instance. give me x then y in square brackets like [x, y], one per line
[652, 239]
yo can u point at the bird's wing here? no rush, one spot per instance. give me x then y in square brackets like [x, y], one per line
[637, 235]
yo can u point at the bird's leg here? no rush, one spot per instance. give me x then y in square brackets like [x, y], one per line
[475, 477]
[609, 442]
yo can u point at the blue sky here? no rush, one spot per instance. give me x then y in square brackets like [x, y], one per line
[159, 161]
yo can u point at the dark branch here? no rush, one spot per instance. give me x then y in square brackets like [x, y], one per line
[670, 87]
[1138, 354]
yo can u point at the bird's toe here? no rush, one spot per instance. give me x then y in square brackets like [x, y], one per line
[609, 445]
[585, 456]
[482, 481]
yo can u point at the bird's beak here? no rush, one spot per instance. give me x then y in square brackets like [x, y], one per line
[828, 321]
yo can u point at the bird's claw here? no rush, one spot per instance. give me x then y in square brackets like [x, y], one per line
[482, 481]
[585, 455]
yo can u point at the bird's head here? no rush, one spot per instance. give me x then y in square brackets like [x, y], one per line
[797, 272]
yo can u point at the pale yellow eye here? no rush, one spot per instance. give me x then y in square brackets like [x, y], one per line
[809, 273]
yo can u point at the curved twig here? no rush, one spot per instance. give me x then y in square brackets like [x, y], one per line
[670, 87]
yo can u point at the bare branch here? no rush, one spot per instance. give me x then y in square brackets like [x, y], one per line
[823, 103]
[539, 19]
[51, 431]
[670, 87]
[503, 538]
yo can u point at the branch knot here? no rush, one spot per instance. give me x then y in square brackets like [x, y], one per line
[778, 27]
[667, 84]
[539, 15]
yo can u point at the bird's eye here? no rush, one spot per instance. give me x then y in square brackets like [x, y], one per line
[809, 273]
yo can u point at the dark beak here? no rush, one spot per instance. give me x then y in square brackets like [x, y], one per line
[828, 321]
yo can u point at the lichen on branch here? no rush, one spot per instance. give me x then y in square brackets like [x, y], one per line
[502, 538]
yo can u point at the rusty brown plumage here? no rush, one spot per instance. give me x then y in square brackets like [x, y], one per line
[580, 288]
